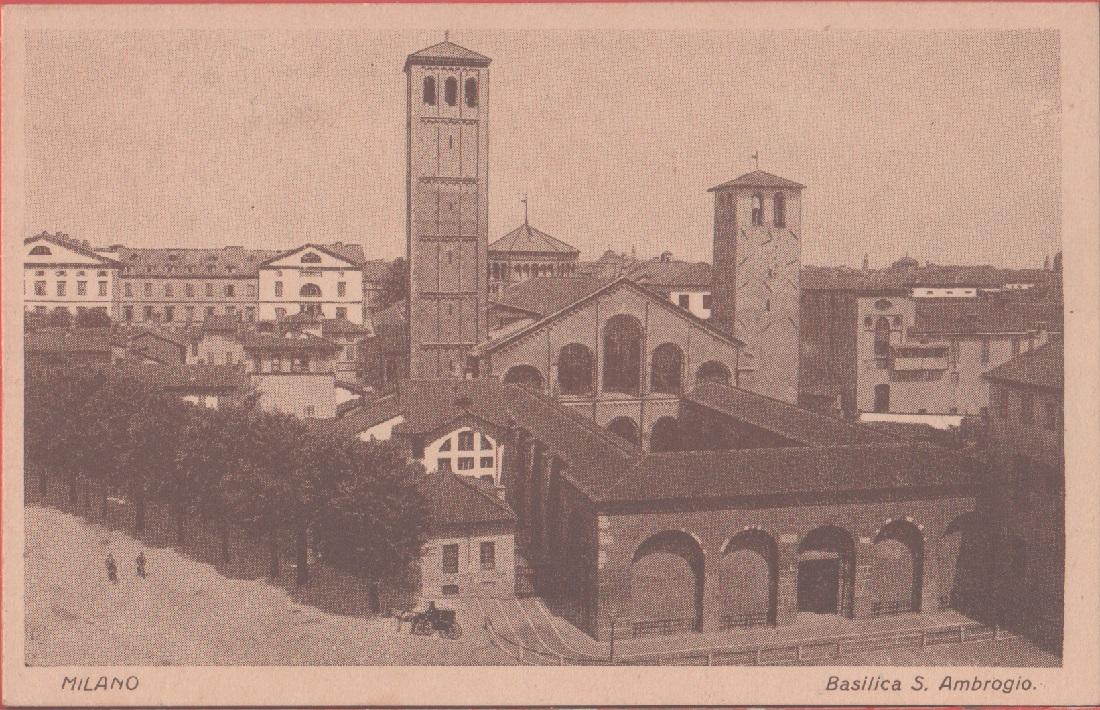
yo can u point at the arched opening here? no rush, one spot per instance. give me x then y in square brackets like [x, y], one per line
[41, 250]
[450, 91]
[897, 569]
[524, 376]
[622, 359]
[882, 398]
[826, 560]
[666, 435]
[310, 290]
[882, 337]
[311, 258]
[625, 428]
[748, 580]
[959, 556]
[467, 452]
[471, 92]
[667, 369]
[712, 371]
[666, 584]
[575, 369]
[779, 208]
[429, 90]
[757, 210]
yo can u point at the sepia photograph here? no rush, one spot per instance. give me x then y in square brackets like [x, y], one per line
[444, 342]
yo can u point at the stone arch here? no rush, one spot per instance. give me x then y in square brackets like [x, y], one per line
[713, 371]
[429, 91]
[625, 428]
[525, 376]
[665, 435]
[666, 583]
[309, 289]
[897, 568]
[748, 579]
[666, 372]
[622, 354]
[450, 91]
[576, 369]
[826, 568]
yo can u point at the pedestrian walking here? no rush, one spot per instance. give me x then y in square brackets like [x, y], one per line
[112, 568]
[140, 564]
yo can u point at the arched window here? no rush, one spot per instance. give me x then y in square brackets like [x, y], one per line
[524, 376]
[311, 258]
[757, 210]
[429, 90]
[450, 91]
[575, 369]
[41, 250]
[622, 360]
[882, 337]
[625, 428]
[471, 92]
[310, 290]
[666, 583]
[712, 371]
[779, 209]
[665, 435]
[666, 372]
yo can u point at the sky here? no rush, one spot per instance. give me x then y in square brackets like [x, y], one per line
[941, 145]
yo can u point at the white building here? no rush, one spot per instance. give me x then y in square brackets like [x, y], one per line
[323, 279]
[59, 272]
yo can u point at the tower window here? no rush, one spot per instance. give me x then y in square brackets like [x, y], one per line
[471, 92]
[757, 211]
[450, 91]
[429, 90]
[779, 206]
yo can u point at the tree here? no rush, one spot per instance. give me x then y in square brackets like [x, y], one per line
[1058, 262]
[149, 458]
[376, 521]
[395, 287]
[92, 318]
[60, 318]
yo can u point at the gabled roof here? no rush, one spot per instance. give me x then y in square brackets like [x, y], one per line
[759, 178]
[672, 273]
[351, 253]
[1041, 367]
[455, 501]
[67, 242]
[802, 426]
[999, 315]
[591, 290]
[235, 262]
[545, 295]
[527, 239]
[447, 53]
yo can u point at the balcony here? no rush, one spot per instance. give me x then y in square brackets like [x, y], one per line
[911, 358]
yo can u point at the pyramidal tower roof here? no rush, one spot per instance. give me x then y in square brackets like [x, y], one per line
[447, 53]
[759, 178]
[526, 238]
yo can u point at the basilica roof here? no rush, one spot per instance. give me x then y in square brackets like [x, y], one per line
[759, 178]
[528, 240]
[1041, 367]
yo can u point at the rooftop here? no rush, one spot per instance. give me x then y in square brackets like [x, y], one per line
[759, 178]
[999, 315]
[447, 53]
[545, 295]
[526, 239]
[672, 273]
[1041, 367]
[455, 500]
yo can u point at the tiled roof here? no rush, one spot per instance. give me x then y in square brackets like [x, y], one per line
[348, 252]
[802, 426]
[672, 273]
[64, 240]
[235, 262]
[1000, 315]
[340, 326]
[64, 340]
[546, 295]
[758, 178]
[455, 500]
[1041, 367]
[811, 471]
[376, 270]
[527, 239]
[844, 278]
[447, 52]
[297, 343]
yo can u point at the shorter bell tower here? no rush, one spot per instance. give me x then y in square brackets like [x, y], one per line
[757, 262]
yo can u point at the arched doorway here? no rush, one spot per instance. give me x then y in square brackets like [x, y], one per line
[667, 369]
[897, 568]
[622, 355]
[959, 556]
[713, 371]
[748, 580]
[575, 369]
[826, 560]
[665, 435]
[524, 376]
[626, 428]
[666, 584]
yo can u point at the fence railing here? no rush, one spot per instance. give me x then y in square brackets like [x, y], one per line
[896, 606]
[738, 621]
[662, 627]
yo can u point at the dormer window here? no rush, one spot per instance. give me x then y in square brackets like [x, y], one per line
[429, 91]
[757, 210]
[779, 209]
[450, 91]
[41, 250]
[311, 258]
[471, 92]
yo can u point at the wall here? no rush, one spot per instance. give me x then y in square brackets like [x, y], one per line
[184, 300]
[67, 267]
[297, 393]
[326, 274]
[698, 301]
[471, 579]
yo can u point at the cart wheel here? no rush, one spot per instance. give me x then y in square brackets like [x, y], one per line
[453, 631]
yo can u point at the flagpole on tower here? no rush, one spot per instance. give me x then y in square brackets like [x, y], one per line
[756, 159]
[524, 201]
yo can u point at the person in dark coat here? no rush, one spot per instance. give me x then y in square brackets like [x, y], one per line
[140, 564]
[112, 568]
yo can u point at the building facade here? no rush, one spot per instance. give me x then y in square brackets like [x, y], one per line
[757, 264]
[60, 272]
[526, 253]
[323, 280]
[447, 201]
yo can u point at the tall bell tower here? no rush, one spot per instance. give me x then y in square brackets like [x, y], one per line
[447, 232]
[757, 262]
